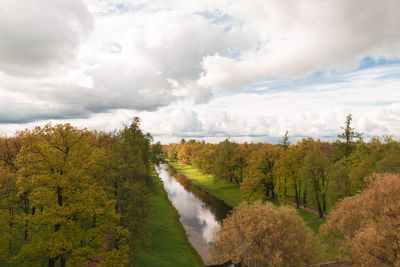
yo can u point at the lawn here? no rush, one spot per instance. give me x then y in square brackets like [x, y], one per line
[167, 244]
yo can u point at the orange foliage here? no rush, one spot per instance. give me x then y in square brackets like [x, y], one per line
[264, 235]
[367, 226]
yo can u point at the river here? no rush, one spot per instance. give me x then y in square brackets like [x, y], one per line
[200, 212]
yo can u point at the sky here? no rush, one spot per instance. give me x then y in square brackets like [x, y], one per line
[210, 70]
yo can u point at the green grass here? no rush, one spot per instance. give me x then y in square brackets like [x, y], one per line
[230, 192]
[312, 220]
[168, 244]
[223, 189]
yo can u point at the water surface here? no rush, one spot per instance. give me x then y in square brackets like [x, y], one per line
[201, 213]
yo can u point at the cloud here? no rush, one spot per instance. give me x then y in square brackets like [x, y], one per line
[201, 68]
[135, 58]
[311, 110]
[37, 36]
[302, 37]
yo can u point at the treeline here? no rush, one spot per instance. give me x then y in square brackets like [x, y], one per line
[311, 173]
[71, 196]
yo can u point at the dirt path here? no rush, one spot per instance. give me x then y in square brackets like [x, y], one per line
[305, 208]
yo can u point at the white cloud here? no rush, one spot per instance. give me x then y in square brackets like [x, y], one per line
[97, 62]
[317, 110]
[298, 38]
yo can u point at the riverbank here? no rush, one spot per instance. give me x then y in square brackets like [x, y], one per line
[224, 190]
[167, 244]
[230, 192]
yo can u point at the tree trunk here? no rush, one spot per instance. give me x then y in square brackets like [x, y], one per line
[320, 213]
[52, 262]
[272, 190]
[26, 210]
[304, 198]
[284, 194]
[62, 264]
[296, 196]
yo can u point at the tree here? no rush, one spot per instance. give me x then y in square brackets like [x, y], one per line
[74, 219]
[348, 135]
[8, 213]
[171, 152]
[366, 227]
[224, 165]
[130, 178]
[316, 165]
[285, 140]
[287, 169]
[264, 235]
[239, 162]
[259, 178]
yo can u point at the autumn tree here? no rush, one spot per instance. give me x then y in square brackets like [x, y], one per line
[171, 152]
[366, 227]
[239, 161]
[205, 158]
[74, 219]
[185, 152]
[259, 178]
[264, 235]
[288, 172]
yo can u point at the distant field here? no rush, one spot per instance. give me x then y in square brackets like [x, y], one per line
[167, 244]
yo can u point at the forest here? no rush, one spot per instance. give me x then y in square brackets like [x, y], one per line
[311, 173]
[73, 197]
[353, 182]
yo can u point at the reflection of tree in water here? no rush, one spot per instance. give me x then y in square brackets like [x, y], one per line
[219, 208]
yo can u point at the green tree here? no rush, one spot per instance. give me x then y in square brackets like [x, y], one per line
[316, 165]
[288, 172]
[130, 179]
[74, 219]
[348, 135]
[224, 166]
[8, 211]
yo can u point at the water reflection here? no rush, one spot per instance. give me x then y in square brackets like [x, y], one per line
[201, 213]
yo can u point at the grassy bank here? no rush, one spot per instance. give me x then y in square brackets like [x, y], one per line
[223, 189]
[167, 244]
[230, 192]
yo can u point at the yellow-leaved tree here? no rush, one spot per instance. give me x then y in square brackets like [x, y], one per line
[73, 221]
[264, 235]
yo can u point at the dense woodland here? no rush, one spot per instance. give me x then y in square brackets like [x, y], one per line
[311, 173]
[71, 196]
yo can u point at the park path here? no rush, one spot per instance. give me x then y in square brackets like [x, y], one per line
[306, 208]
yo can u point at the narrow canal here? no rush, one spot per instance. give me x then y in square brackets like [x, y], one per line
[201, 213]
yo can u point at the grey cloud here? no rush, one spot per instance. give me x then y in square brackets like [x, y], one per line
[23, 114]
[39, 35]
